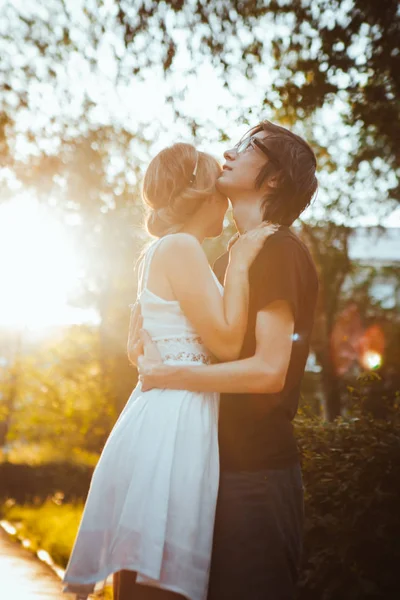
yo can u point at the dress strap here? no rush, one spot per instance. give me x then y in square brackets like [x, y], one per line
[147, 263]
[144, 267]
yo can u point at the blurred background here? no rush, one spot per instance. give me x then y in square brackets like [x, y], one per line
[90, 91]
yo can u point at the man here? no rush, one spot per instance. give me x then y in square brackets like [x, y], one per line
[268, 176]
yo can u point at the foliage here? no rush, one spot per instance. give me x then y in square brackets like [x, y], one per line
[329, 248]
[34, 484]
[347, 50]
[63, 398]
[9, 384]
[321, 50]
[20, 452]
[305, 55]
[350, 300]
[351, 473]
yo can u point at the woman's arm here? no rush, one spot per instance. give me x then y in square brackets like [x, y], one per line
[220, 321]
[134, 347]
[265, 372]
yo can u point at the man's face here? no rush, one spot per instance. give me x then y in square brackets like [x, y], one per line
[242, 167]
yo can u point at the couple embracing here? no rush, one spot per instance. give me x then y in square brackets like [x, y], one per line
[198, 491]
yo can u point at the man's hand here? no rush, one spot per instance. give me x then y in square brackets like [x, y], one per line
[149, 363]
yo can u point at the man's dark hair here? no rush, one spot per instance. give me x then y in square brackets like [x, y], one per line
[292, 160]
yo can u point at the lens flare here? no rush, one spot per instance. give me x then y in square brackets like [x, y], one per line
[371, 360]
[372, 348]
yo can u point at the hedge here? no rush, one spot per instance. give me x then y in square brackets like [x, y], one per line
[28, 484]
[352, 498]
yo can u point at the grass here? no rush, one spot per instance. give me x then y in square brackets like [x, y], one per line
[38, 454]
[51, 526]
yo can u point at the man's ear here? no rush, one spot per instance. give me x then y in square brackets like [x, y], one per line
[273, 181]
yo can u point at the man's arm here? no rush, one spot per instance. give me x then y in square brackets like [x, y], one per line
[265, 372]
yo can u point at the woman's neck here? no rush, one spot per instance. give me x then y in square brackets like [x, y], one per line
[195, 229]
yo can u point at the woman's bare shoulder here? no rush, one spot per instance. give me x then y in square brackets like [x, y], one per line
[180, 243]
[183, 251]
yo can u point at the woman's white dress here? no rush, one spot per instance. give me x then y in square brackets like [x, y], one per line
[152, 498]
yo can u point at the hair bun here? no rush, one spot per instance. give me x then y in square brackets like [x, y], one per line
[161, 221]
[168, 191]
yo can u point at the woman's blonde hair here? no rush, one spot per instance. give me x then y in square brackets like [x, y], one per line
[176, 182]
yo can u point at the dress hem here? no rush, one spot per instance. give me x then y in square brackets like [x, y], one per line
[72, 588]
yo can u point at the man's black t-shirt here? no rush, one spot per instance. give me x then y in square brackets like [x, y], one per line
[251, 435]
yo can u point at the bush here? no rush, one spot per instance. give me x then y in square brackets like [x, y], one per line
[34, 484]
[351, 475]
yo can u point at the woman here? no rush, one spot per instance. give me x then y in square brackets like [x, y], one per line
[150, 510]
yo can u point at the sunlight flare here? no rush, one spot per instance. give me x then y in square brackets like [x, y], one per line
[39, 266]
[371, 360]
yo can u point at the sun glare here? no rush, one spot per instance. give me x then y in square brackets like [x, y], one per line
[371, 360]
[39, 266]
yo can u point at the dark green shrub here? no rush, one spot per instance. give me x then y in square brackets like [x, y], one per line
[351, 474]
[33, 484]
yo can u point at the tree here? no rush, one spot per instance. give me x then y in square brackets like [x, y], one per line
[347, 51]
[348, 313]
[322, 51]
[62, 399]
[10, 384]
[328, 68]
[311, 54]
[329, 248]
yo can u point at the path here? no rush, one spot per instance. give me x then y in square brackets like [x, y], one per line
[25, 577]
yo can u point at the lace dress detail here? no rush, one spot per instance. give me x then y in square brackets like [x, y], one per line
[183, 349]
[152, 498]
